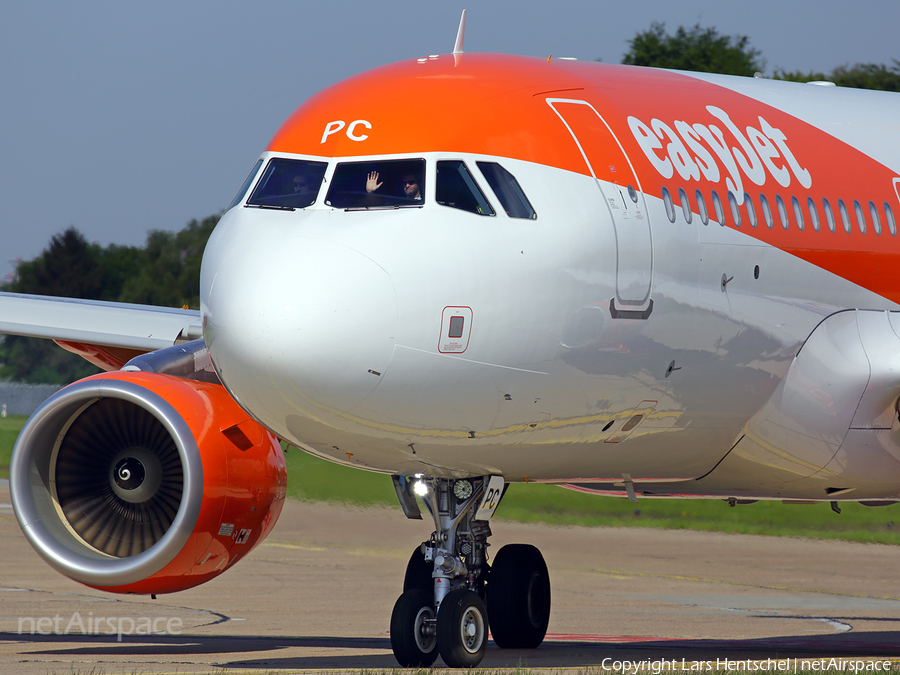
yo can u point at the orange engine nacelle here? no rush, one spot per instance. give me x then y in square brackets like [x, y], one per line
[137, 482]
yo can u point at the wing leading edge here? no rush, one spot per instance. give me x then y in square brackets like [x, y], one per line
[104, 333]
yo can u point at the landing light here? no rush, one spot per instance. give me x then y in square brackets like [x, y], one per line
[419, 486]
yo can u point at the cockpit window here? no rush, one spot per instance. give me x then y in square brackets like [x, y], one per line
[288, 184]
[246, 186]
[508, 190]
[381, 184]
[457, 189]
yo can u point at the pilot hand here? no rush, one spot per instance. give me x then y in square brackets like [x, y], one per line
[372, 183]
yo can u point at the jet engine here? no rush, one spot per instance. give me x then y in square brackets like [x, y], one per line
[141, 482]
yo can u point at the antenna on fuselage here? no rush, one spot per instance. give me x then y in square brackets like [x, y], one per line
[460, 34]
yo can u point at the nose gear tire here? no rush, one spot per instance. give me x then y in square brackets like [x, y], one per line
[518, 597]
[418, 573]
[414, 645]
[462, 629]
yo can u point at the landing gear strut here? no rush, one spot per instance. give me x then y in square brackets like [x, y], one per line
[449, 592]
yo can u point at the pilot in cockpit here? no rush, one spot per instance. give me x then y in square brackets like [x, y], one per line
[408, 185]
[301, 184]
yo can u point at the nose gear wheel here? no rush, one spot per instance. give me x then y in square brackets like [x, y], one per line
[518, 597]
[413, 629]
[462, 629]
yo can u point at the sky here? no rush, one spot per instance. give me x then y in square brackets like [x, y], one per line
[123, 117]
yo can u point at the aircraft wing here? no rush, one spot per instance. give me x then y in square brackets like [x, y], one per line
[139, 328]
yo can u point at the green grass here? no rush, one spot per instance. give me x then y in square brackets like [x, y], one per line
[313, 479]
[9, 429]
[554, 505]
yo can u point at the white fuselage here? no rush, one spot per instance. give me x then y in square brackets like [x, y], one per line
[702, 305]
[326, 326]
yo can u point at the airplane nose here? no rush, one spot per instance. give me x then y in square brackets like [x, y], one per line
[311, 323]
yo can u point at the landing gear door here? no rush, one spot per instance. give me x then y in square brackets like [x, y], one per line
[621, 190]
[493, 491]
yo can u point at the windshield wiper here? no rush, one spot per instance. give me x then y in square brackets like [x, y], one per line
[270, 206]
[393, 207]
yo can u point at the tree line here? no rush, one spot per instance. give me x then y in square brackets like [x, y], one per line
[166, 270]
[706, 50]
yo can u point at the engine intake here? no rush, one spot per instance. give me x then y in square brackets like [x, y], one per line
[119, 480]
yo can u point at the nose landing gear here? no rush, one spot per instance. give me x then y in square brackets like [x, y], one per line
[449, 592]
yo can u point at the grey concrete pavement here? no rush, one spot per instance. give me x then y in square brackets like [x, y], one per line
[317, 595]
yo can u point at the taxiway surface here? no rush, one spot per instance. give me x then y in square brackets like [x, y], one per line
[317, 595]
